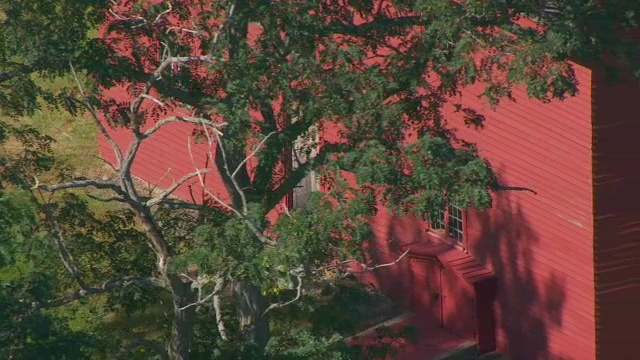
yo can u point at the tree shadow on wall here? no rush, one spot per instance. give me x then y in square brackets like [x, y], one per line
[527, 306]
[393, 236]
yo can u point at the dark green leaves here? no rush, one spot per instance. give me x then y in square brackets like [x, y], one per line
[41, 38]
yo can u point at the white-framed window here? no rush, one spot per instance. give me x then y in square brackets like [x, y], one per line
[450, 221]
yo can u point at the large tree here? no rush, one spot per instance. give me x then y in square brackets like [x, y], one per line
[258, 80]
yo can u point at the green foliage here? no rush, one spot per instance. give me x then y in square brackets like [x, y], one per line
[42, 37]
[318, 326]
[301, 344]
[326, 222]
[27, 278]
[26, 333]
[16, 225]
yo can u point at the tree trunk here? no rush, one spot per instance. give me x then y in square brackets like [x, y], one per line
[182, 294]
[183, 320]
[251, 305]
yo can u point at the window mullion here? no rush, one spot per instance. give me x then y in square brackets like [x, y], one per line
[446, 220]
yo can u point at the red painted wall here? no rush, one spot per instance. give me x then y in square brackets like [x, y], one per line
[616, 157]
[540, 246]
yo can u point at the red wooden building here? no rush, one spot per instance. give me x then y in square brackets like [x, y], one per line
[552, 272]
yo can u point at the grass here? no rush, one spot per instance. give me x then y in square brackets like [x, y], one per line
[76, 137]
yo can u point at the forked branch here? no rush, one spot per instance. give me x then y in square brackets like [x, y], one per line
[243, 215]
[364, 268]
[289, 302]
[199, 284]
[252, 154]
[169, 60]
[168, 192]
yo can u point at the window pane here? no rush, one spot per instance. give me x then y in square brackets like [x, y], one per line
[455, 222]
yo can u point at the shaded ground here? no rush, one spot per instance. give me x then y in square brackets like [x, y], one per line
[431, 341]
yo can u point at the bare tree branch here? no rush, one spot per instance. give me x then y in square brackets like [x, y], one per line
[96, 119]
[253, 153]
[365, 268]
[149, 97]
[103, 160]
[286, 211]
[77, 184]
[157, 74]
[187, 30]
[124, 18]
[250, 224]
[165, 194]
[224, 24]
[199, 284]
[164, 13]
[126, 178]
[136, 104]
[185, 119]
[217, 307]
[140, 19]
[285, 303]
[225, 165]
[151, 188]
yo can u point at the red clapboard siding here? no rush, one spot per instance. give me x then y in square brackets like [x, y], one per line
[163, 158]
[539, 245]
[617, 231]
